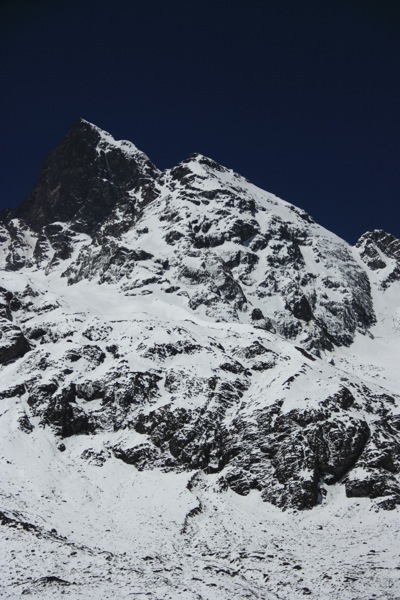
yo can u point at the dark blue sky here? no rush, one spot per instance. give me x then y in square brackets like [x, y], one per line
[300, 96]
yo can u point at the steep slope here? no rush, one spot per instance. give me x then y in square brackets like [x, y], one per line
[188, 332]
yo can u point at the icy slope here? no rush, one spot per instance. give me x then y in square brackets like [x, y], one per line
[182, 356]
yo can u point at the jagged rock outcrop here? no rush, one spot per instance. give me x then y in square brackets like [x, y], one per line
[381, 252]
[85, 177]
[13, 343]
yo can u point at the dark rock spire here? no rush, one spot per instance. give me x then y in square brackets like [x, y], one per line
[84, 178]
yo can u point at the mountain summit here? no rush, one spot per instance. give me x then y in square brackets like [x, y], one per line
[84, 178]
[183, 351]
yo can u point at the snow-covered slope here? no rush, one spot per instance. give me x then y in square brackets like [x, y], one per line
[184, 358]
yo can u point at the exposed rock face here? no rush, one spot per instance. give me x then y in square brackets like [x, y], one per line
[84, 179]
[63, 413]
[379, 465]
[196, 323]
[381, 252]
[13, 343]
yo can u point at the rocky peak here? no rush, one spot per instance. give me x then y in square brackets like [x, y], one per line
[202, 313]
[85, 177]
[169, 338]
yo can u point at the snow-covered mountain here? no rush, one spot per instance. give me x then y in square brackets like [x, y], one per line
[188, 362]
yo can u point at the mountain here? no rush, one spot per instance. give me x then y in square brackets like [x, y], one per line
[199, 387]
